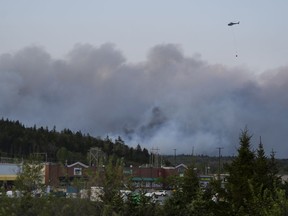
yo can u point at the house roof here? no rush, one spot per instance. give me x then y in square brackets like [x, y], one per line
[9, 169]
[170, 168]
[181, 165]
[78, 163]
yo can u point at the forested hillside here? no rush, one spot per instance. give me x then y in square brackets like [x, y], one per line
[18, 141]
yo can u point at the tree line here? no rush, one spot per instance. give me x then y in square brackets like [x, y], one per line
[18, 141]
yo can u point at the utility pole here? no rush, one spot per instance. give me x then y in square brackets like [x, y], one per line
[94, 156]
[155, 157]
[193, 159]
[175, 156]
[219, 165]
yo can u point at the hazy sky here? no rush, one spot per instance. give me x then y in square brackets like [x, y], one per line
[163, 74]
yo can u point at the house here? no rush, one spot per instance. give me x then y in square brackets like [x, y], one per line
[61, 175]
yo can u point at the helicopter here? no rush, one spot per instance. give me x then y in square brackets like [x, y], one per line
[233, 23]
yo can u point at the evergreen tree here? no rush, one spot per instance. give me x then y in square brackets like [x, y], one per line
[253, 183]
[274, 178]
[190, 184]
[261, 170]
[186, 192]
[241, 172]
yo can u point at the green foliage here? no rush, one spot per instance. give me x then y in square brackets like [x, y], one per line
[185, 192]
[62, 155]
[241, 170]
[111, 186]
[172, 182]
[268, 203]
[253, 184]
[139, 204]
[190, 184]
[31, 176]
[261, 168]
[175, 205]
[200, 206]
[47, 206]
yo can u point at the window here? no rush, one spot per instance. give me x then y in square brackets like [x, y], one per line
[78, 171]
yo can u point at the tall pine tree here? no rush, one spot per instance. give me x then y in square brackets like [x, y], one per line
[241, 172]
[261, 170]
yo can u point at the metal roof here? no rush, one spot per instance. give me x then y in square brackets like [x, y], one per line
[10, 169]
[9, 172]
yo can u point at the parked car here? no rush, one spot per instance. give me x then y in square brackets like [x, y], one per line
[160, 193]
[125, 194]
[149, 194]
[12, 194]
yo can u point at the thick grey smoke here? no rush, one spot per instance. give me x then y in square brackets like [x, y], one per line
[170, 101]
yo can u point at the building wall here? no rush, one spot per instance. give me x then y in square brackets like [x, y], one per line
[54, 173]
[147, 172]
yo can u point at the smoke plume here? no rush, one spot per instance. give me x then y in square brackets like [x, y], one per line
[169, 101]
